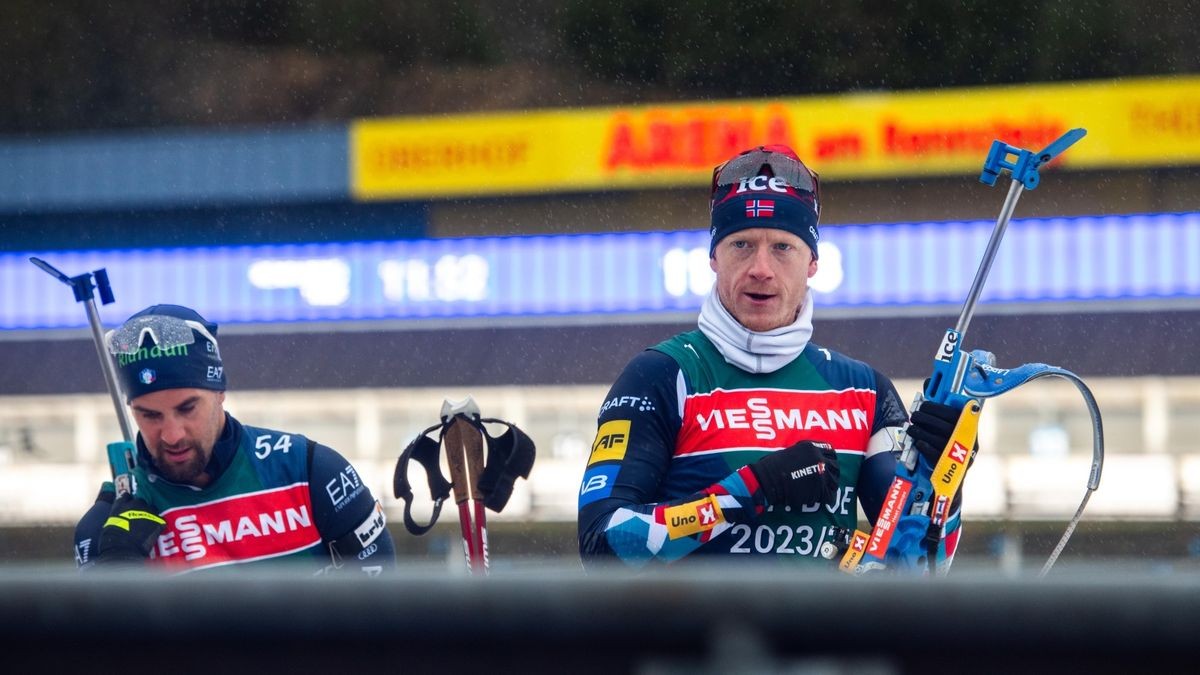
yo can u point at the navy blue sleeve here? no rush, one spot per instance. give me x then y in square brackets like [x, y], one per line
[622, 508]
[87, 532]
[640, 412]
[890, 411]
[874, 478]
[879, 468]
[347, 515]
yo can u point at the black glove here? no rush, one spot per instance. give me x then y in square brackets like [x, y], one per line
[932, 425]
[801, 475]
[130, 532]
[931, 428]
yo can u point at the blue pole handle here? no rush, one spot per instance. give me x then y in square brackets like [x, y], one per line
[1024, 165]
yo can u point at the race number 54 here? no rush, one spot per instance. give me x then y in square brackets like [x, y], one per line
[263, 447]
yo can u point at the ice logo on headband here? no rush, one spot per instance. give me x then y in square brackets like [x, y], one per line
[147, 376]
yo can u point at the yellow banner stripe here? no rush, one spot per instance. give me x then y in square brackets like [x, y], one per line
[1131, 122]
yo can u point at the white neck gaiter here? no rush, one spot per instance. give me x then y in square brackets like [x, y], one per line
[751, 351]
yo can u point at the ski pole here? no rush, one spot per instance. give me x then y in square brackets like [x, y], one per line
[459, 435]
[473, 449]
[121, 455]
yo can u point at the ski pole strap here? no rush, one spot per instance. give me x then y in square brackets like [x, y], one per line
[425, 450]
[509, 456]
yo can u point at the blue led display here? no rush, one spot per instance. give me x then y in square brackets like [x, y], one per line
[1084, 259]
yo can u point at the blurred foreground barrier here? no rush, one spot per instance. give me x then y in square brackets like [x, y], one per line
[556, 620]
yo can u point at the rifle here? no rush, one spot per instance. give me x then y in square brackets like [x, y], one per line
[917, 506]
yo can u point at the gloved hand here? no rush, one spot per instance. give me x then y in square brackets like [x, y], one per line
[800, 475]
[130, 532]
[932, 425]
[931, 428]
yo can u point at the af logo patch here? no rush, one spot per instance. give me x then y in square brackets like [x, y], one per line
[611, 440]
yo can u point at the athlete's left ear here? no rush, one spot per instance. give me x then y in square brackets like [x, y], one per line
[812, 268]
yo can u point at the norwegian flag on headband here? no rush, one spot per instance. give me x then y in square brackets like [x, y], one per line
[760, 208]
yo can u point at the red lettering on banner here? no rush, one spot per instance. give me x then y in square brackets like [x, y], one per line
[247, 527]
[889, 515]
[967, 139]
[774, 418]
[690, 139]
[839, 146]
[1180, 117]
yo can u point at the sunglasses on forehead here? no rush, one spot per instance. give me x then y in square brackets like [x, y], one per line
[752, 163]
[167, 332]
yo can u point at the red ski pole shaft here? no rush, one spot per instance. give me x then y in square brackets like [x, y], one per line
[473, 449]
[456, 435]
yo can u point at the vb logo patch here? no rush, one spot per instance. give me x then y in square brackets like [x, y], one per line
[611, 440]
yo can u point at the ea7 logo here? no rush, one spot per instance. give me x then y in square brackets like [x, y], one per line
[82, 551]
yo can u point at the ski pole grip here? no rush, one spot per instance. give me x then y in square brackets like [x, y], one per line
[455, 437]
[473, 450]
